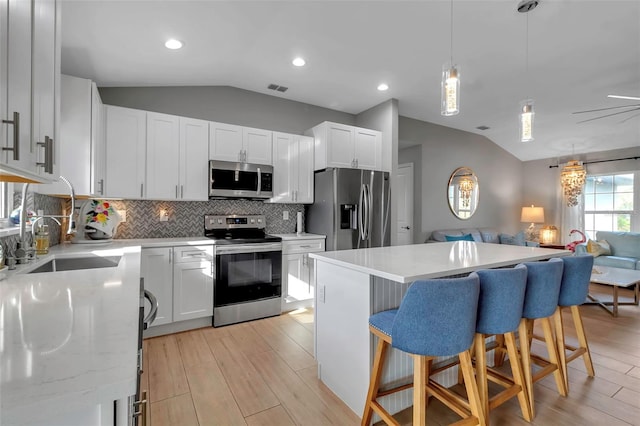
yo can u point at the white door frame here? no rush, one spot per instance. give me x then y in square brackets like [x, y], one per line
[404, 186]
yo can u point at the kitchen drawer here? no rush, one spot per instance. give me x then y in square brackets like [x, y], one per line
[184, 254]
[305, 246]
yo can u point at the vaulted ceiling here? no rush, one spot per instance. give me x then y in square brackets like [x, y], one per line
[578, 53]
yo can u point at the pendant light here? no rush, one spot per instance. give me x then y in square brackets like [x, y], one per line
[527, 113]
[450, 85]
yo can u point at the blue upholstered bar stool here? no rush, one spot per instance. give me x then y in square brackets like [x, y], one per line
[573, 292]
[540, 303]
[500, 310]
[436, 318]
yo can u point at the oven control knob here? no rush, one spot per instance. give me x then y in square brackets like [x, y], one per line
[253, 221]
[259, 220]
[219, 221]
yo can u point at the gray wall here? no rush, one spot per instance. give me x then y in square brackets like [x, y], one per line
[226, 105]
[445, 149]
[541, 184]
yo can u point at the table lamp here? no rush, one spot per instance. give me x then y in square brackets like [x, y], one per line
[532, 215]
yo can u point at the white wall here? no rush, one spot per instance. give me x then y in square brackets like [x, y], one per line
[444, 150]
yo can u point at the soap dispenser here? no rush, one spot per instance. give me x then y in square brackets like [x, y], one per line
[42, 239]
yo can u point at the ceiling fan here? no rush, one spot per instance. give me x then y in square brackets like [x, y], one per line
[628, 108]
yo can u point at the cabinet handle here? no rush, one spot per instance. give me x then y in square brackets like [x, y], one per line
[176, 191]
[244, 155]
[181, 191]
[305, 246]
[101, 182]
[141, 189]
[48, 154]
[170, 256]
[16, 136]
[356, 160]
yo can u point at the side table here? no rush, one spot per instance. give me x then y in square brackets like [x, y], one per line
[552, 246]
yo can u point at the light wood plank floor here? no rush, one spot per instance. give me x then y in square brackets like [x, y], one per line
[263, 373]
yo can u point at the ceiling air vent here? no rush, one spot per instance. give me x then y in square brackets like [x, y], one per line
[278, 88]
[482, 127]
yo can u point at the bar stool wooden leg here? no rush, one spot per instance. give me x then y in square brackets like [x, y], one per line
[374, 385]
[518, 378]
[525, 352]
[472, 389]
[480, 347]
[498, 353]
[553, 355]
[559, 326]
[582, 339]
[420, 379]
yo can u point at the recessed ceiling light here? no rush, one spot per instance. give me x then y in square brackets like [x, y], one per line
[173, 44]
[299, 62]
[382, 87]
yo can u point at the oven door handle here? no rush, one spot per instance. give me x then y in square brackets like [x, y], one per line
[247, 248]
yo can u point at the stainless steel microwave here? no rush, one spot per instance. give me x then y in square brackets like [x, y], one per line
[240, 180]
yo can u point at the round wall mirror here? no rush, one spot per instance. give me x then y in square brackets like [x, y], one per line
[462, 192]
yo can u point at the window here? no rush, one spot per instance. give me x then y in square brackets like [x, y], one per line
[6, 199]
[609, 203]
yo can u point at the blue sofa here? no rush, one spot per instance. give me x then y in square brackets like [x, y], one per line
[625, 249]
[479, 235]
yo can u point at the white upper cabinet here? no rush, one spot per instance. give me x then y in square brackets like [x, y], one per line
[125, 137]
[257, 145]
[343, 146]
[194, 167]
[225, 142]
[81, 156]
[162, 159]
[293, 168]
[339, 146]
[367, 149]
[44, 85]
[98, 150]
[239, 144]
[29, 85]
[17, 152]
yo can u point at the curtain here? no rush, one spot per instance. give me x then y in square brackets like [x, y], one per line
[571, 217]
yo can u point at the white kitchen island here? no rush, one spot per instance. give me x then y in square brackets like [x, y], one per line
[351, 285]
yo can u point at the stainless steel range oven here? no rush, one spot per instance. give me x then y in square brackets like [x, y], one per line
[248, 265]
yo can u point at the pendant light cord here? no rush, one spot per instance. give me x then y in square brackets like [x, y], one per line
[526, 56]
[451, 35]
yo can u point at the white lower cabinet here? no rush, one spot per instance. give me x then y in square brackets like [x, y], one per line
[157, 270]
[181, 278]
[298, 287]
[192, 282]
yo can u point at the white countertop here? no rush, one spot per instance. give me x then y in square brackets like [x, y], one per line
[303, 236]
[68, 340]
[419, 261]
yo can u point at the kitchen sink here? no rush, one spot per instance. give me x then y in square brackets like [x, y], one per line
[73, 263]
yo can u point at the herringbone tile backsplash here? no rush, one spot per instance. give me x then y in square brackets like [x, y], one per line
[186, 218]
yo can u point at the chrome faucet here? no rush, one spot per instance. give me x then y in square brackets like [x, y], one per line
[22, 251]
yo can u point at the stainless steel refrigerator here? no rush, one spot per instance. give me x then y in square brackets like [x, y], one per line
[351, 208]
